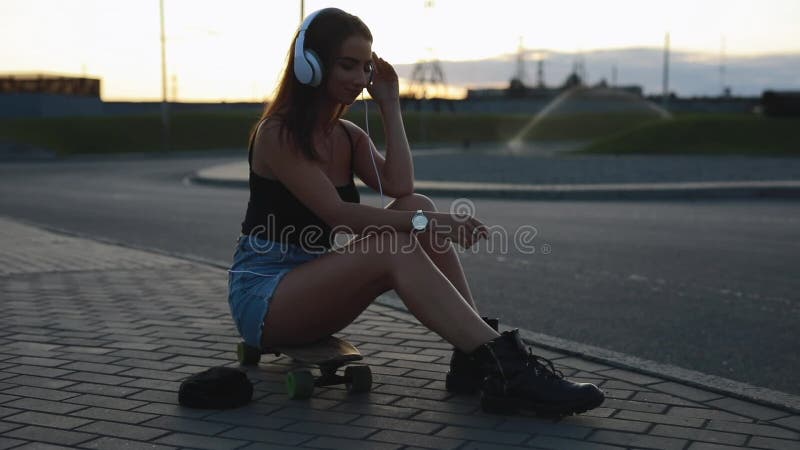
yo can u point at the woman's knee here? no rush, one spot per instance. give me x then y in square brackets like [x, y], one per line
[384, 254]
[382, 246]
[392, 247]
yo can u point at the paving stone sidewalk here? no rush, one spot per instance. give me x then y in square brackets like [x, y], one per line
[95, 339]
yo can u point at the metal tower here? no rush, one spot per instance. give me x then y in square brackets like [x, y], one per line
[540, 73]
[579, 69]
[427, 72]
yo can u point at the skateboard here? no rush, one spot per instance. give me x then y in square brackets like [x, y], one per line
[327, 355]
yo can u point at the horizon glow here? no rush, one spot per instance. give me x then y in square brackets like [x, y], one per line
[237, 54]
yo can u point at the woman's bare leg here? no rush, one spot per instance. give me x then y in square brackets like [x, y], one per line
[442, 254]
[322, 296]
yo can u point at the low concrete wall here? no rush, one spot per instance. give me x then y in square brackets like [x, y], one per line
[48, 105]
[53, 105]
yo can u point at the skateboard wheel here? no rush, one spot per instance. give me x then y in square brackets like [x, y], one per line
[247, 355]
[359, 379]
[299, 384]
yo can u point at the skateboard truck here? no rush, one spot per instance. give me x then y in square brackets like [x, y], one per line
[328, 355]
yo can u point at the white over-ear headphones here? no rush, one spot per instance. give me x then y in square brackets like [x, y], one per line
[307, 66]
[308, 70]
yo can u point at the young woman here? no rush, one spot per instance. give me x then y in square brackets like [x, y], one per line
[285, 276]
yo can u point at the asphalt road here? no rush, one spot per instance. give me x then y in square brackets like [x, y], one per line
[706, 285]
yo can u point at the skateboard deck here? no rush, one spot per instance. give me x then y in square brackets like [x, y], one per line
[327, 355]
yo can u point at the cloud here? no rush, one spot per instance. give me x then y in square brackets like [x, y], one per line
[691, 73]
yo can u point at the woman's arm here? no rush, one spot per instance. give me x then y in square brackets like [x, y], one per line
[367, 158]
[399, 168]
[306, 181]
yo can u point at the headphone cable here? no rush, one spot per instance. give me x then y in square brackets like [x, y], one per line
[369, 142]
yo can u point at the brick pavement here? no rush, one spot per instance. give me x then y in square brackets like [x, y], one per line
[95, 339]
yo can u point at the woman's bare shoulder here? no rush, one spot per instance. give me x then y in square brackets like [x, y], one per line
[268, 142]
[270, 133]
[269, 124]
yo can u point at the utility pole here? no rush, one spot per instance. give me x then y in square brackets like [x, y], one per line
[302, 10]
[521, 75]
[164, 101]
[665, 75]
[722, 88]
[614, 75]
[540, 72]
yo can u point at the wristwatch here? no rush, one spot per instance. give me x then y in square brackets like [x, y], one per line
[419, 221]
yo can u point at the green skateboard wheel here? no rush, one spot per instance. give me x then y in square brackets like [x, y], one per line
[360, 379]
[299, 384]
[247, 355]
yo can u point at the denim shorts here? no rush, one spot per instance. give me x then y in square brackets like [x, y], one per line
[258, 266]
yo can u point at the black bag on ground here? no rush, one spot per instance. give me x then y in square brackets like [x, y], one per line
[216, 388]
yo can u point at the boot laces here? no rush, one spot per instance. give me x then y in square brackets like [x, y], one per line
[542, 366]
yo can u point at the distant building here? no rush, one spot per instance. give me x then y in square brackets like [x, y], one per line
[50, 84]
[518, 90]
[41, 95]
[781, 103]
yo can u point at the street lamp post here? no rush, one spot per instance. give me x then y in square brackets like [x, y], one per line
[164, 101]
[302, 10]
[665, 74]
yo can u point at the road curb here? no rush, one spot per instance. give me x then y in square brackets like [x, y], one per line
[723, 386]
[787, 189]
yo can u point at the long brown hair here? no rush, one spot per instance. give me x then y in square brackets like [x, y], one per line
[297, 104]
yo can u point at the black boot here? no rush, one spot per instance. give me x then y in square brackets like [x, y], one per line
[517, 380]
[465, 376]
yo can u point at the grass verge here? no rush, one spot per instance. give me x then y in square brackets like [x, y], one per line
[685, 134]
[705, 134]
[201, 131]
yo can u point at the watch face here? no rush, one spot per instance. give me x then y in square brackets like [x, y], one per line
[419, 222]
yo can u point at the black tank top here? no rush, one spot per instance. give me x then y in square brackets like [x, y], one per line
[274, 213]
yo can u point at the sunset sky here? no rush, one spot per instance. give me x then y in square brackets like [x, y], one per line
[237, 52]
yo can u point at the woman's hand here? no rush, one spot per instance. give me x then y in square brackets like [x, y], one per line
[385, 86]
[463, 229]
